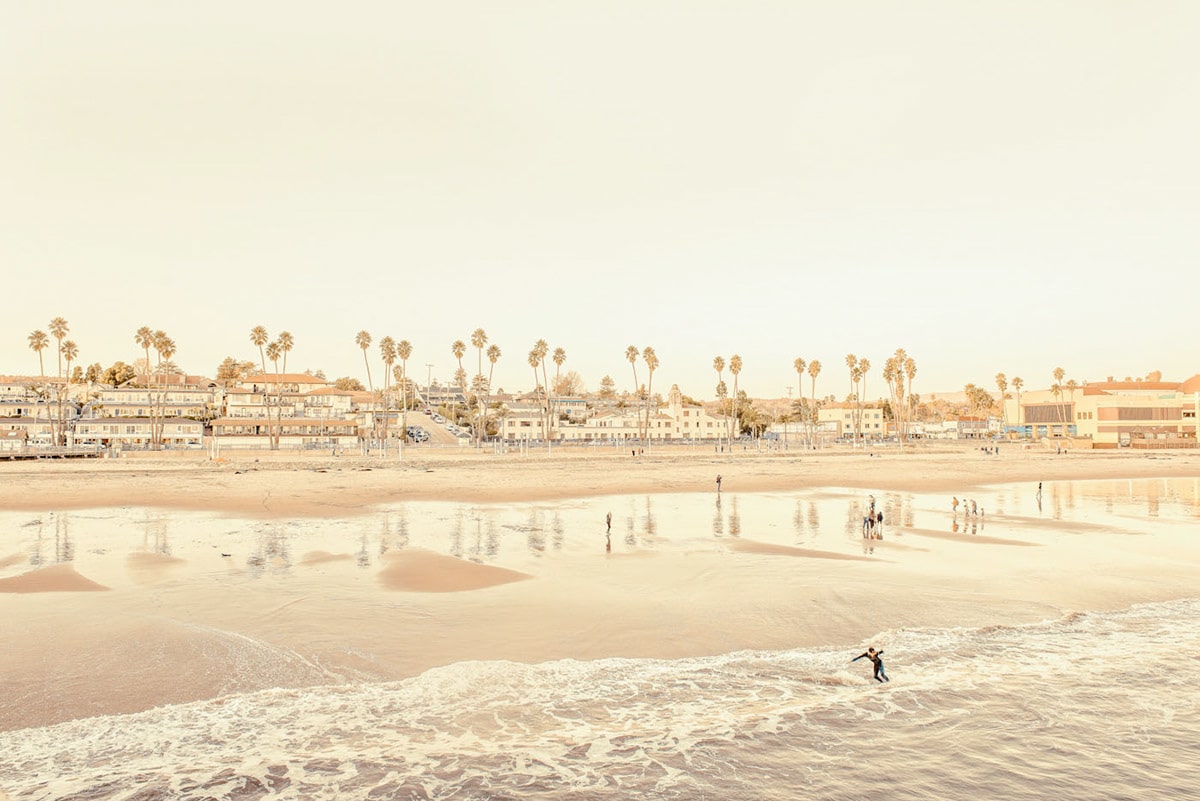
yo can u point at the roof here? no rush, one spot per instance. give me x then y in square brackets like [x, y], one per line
[284, 378]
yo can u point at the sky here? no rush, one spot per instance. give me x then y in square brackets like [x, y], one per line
[995, 187]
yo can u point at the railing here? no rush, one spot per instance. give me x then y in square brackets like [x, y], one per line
[52, 452]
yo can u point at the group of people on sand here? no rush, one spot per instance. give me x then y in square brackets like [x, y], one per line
[970, 508]
[872, 521]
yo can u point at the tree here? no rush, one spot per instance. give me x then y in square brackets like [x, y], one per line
[1017, 384]
[348, 384]
[852, 366]
[864, 366]
[910, 372]
[1071, 386]
[58, 329]
[232, 370]
[1057, 389]
[119, 373]
[286, 343]
[631, 353]
[493, 354]
[651, 360]
[387, 352]
[608, 387]
[543, 350]
[479, 338]
[363, 340]
[535, 361]
[94, 373]
[718, 364]
[38, 341]
[260, 337]
[569, 383]
[70, 352]
[1002, 385]
[735, 369]
[814, 370]
[165, 347]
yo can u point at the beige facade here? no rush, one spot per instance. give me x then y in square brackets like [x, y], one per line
[676, 422]
[1112, 414]
[137, 432]
[838, 419]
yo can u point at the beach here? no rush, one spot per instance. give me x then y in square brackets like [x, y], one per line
[140, 585]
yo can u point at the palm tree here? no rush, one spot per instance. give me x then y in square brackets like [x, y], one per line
[388, 354]
[260, 337]
[58, 329]
[493, 354]
[535, 361]
[1071, 386]
[543, 350]
[165, 346]
[1057, 389]
[479, 338]
[910, 372]
[1017, 383]
[719, 366]
[38, 341]
[70, 352]
[631, 353]
[560, 357]
[403, 352]
[864, 366]
[286, 343]
[651, 359]
[735, 369]
[852, 366]
[274, 353]
[814, 370]
[363, 340]
[1002, 385]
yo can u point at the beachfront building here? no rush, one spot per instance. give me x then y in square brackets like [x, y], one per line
[301, 411]
[1112, 414]
[138, 433]
[166, 401]
[838, 419]
[678, 421]
[294, 433]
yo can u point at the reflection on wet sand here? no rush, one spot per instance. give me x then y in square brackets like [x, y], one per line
[324, 557]
[766, 548]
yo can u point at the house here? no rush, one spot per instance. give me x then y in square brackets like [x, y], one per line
[138, 432]
[838, 418]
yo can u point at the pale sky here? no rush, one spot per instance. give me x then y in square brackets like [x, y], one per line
[1004, 186]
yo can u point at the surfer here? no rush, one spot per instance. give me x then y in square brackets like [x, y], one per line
[877, 661]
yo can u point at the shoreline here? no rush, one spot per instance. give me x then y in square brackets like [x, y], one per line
[284, 484]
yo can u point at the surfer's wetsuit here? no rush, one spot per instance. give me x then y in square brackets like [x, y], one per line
[880, 676]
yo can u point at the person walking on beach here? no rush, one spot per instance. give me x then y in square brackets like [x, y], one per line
[608, 521]
[954, 504]
[718, 482]
[877, 661]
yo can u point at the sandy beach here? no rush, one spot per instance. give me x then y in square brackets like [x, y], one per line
[265, 484]
[309, 583]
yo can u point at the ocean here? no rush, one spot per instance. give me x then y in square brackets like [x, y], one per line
[1090, 706]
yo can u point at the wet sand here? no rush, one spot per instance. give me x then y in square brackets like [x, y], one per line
[198, 624]
[281, 485]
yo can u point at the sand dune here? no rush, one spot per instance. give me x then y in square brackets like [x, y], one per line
[424, 571]
[57, 578]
